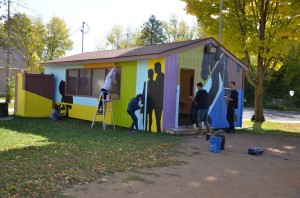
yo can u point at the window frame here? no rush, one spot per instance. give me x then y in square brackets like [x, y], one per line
[91, 80]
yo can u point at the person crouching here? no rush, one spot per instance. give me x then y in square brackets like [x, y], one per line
[132, 107]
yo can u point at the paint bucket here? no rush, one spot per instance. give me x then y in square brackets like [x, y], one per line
[208, 136]
[223, 141]
[215, 144]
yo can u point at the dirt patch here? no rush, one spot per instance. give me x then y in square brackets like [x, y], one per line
[230, 173]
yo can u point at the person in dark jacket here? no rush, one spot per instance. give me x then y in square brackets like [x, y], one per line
[134, 105]
[201, 100]
[232, 105]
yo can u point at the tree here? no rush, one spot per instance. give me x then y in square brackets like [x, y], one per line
[291, 73]
[152, 32]
[179, 31]
[131, 38]
[1, 15]
[26, 35]
[117, 39]
[285, 79]
[261, 32]
[57, 39]
[114, 37]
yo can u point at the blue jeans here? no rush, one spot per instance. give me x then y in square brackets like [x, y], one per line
[134, 119]
[202, 115]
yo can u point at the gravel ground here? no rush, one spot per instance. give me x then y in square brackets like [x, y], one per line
[231, 173]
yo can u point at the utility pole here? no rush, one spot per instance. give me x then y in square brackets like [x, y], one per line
[7, 98]
[220, 25]
[82, 30]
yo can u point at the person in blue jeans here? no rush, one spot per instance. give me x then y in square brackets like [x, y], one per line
[55, 114]
[134, 105]
[201, 100]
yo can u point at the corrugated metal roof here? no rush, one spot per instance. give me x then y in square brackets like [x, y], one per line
[137, 53]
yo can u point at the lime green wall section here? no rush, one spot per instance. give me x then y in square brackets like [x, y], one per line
[191, 59]
[128, 88]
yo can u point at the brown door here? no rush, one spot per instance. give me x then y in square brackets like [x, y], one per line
[186, 89]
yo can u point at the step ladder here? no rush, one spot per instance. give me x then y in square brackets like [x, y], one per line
[105, 108]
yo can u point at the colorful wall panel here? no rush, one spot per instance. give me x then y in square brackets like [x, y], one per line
[141, 84]
[34, 95]
[170, 93]
[153, 91]
[73, 106]
[128, 91]
[215, 71]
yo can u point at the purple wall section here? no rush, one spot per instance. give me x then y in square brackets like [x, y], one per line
[171, 81]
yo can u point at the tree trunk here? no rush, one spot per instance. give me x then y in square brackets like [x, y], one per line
[258, 104]
[259, 93]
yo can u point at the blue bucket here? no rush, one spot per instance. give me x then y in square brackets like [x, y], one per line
[215, 144]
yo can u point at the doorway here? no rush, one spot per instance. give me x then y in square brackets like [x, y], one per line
[187, 77]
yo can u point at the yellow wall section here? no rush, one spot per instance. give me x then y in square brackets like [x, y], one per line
[34, 105]
[85, 112]
[20, 96]
[153, 61]
[30, 104]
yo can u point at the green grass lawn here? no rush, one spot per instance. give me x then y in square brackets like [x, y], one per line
[272, 128]
[39, 157]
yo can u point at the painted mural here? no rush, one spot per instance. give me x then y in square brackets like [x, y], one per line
[159, 82]
[214, 73]
[153, 92]
[64, 106]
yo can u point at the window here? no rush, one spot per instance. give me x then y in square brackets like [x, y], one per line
[88, 82]
[71, 82]
[84, 85]
[98, 80]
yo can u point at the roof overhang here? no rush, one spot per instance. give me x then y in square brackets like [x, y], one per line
[133, 55]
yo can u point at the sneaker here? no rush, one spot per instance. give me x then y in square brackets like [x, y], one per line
[99, 111]
[199, 136]
[136, 130]
[130, 131]
[230, 131]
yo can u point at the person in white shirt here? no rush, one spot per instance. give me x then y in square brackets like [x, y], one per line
[107, 85]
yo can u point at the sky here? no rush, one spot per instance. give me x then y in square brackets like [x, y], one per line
[101, 15]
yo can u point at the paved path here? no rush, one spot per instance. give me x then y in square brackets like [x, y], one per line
[274, 115]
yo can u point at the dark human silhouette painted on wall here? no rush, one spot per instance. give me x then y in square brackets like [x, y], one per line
[149, 98]
[159, 98]
[155, 96]
[64, 108]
